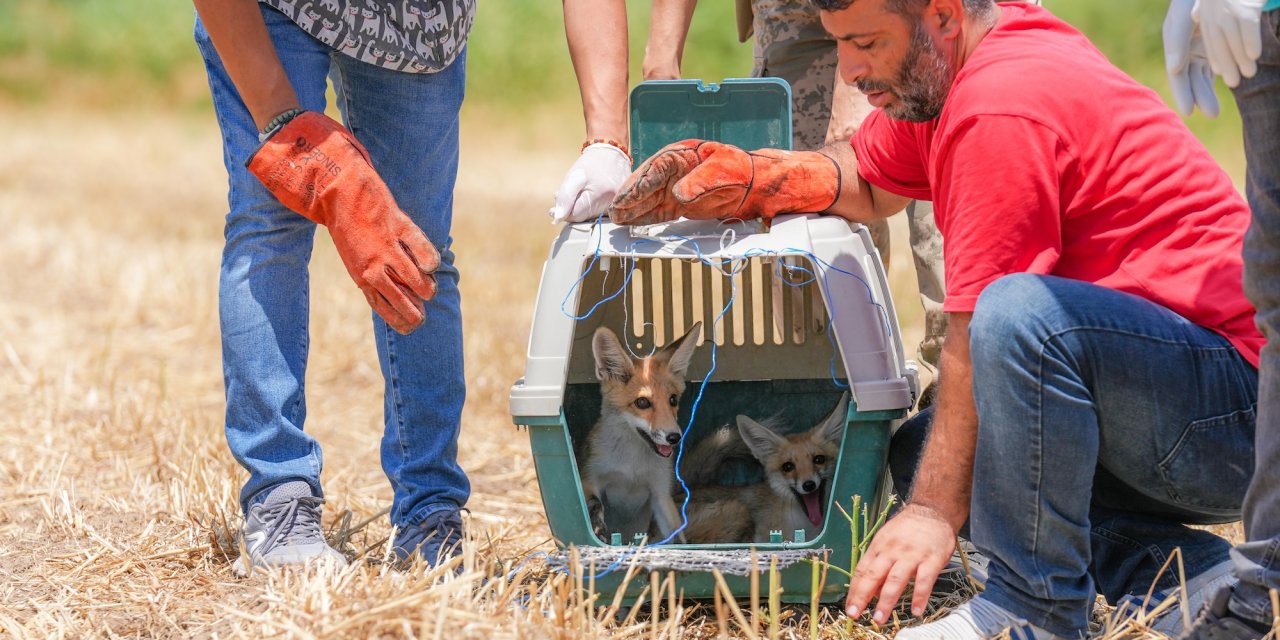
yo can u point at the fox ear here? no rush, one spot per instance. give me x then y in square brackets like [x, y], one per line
[680, 352]
[833, 426]
[612, 360]
[762, 440]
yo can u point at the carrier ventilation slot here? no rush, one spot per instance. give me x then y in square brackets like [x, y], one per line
[774, 305]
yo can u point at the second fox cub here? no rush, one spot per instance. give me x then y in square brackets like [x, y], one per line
[626, 465]
[798, 469]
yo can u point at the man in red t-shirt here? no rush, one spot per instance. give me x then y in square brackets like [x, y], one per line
[1099, 378]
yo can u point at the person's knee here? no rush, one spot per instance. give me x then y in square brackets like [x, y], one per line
[1013, 316]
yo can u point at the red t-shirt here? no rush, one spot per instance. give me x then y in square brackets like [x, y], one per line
[1048, 159]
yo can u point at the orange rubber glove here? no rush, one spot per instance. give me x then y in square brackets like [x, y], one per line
[318, 169]
[704, 180]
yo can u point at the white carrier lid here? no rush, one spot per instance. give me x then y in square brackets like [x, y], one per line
[796, 282]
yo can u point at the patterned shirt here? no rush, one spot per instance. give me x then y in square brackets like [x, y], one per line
[416, 36]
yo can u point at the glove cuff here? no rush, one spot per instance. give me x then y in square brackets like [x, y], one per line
[302, 158]
[791, 182]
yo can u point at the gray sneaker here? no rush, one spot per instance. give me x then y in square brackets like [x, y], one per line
[284, 529]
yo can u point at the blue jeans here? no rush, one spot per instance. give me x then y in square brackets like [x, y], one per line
[1257, 561]
[1106, 423]
[409, 124]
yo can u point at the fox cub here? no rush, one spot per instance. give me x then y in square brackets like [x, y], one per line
[798, 470]
[626, 466]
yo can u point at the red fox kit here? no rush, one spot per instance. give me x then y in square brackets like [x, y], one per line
[798, 469]
[627, 469]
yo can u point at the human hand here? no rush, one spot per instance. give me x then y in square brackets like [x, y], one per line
[913, 545]
[705, 180]
[591, 183]
[314, 166]
[645, 197]
[1232, 33]
[1190, 74]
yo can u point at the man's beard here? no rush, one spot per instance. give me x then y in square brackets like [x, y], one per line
[922, 83]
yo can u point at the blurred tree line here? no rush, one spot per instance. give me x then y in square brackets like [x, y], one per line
[122, 54]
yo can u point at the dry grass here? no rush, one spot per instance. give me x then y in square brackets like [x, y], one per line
[114, 477]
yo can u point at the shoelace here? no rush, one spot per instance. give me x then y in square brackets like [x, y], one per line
[446, 532]
[300, 521]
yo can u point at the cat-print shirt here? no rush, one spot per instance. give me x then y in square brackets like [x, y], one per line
[416, 36]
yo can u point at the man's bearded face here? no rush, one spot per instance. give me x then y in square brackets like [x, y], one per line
[922, 82]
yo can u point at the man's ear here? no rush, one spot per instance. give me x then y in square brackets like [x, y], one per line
[945, 17]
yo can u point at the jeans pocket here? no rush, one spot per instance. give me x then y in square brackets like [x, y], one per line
[1212, 462]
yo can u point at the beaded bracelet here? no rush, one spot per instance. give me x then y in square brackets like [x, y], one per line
[277, 122]
[613, 143]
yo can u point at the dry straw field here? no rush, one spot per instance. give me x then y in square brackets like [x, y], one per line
[115, 483]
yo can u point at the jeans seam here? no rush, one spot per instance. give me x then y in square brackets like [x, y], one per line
[347, 114]
[1038, 472]
[1115, 537]
[300, 403]
[393, 384]
[1272, 553]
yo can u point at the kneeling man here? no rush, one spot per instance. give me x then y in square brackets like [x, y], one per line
[1099, 378]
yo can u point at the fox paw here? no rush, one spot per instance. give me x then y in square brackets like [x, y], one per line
[595, 511]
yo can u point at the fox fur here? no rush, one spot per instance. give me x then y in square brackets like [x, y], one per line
[627, 464]
[798, 470]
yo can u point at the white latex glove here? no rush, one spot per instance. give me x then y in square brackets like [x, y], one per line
[591, 183]
[1190, 75]
[1232, 31]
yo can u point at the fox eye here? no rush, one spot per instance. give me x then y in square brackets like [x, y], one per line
[674, 400]
[788, 467]
[642, 403]
[819, 459]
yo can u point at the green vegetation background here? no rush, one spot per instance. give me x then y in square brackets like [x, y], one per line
[138, 55]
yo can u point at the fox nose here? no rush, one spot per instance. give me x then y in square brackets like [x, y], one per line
[673, 438]
[809, 486]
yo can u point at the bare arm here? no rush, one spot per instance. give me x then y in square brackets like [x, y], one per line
[944, 482]
[917, 543]
[668, 30]
[597, 35]
[241, 38]
[858, 200]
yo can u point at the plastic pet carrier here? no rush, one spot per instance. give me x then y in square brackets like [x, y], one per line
[793, 317]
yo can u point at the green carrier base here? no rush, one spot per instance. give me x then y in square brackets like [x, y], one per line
[803, 403]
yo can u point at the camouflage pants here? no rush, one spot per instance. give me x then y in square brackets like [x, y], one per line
[791, 44]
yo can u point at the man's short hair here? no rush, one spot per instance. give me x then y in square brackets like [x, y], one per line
[911, 8]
